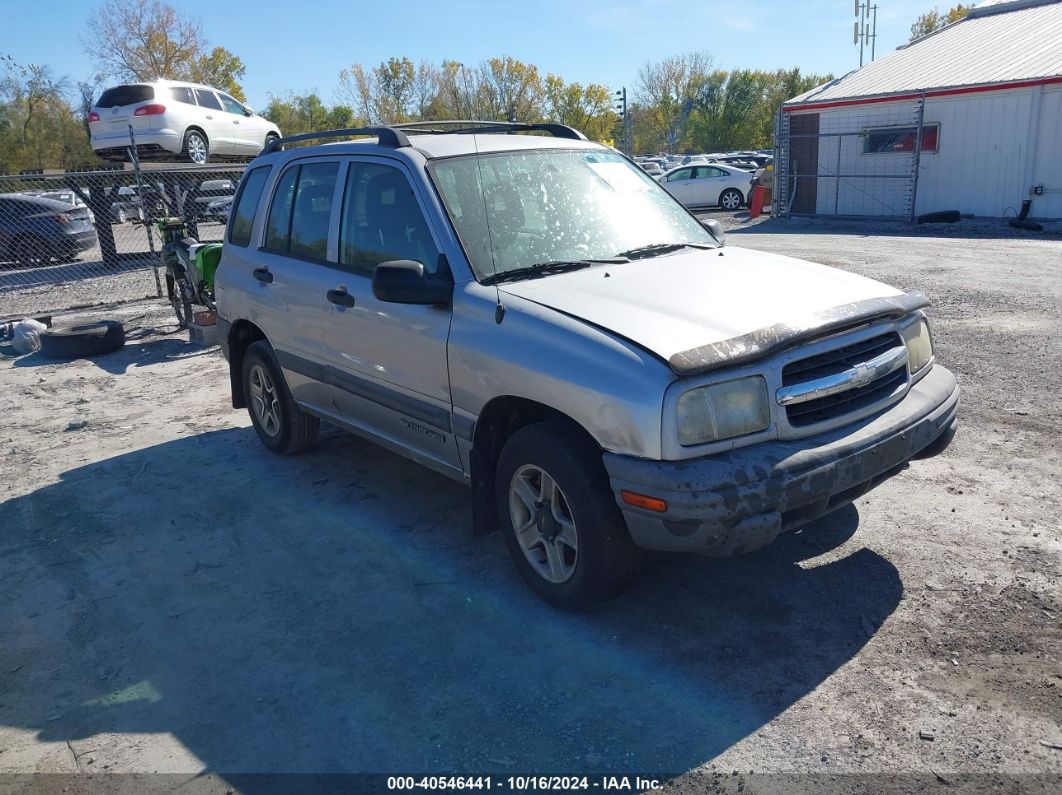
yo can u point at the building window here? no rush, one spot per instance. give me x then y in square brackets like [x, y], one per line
[900, 139]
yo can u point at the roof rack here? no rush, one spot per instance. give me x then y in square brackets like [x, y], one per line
[387, 136]
[459, 126]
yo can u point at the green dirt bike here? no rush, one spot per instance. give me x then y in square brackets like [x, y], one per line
[190, 267]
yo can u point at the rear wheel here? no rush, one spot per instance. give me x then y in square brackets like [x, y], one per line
[196, 148]
[121, 216]
[561, 524]
[281, 425]
[730, 199]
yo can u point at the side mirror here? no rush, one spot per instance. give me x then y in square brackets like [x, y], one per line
[403, 281]
[715, 229]
[247, 111]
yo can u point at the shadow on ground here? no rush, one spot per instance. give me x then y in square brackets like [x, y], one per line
[332, 613]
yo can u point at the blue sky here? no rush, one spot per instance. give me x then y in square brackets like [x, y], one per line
[299, 46]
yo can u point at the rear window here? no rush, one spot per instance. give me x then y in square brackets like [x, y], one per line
[125, 95]
[250, 194]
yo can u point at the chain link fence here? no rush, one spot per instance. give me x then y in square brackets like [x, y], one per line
[855, 161]
[76, 239]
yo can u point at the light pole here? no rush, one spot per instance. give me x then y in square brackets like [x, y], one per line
[621, 106]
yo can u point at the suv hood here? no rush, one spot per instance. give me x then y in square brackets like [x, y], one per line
[700, 309]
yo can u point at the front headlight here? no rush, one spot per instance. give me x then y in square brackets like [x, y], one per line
[919, 344]
[722, 411]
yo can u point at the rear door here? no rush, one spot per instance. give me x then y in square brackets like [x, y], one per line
[215, 123]
[290, 275]
[390, 359]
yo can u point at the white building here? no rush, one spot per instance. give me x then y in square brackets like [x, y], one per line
[992, 123]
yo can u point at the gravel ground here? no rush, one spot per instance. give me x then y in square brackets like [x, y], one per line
[174, 599]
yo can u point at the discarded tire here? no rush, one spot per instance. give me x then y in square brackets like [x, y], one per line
[88, 339]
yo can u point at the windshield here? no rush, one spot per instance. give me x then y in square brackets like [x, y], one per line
[516, 210]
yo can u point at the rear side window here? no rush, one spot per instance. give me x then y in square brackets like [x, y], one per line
[301, 210]
[182, 94]
[125, 95]
[207, 99]
[246, 203]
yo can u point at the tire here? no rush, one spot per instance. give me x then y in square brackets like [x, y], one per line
[82, 341]
[270, 138]
[120, 217]
[196, 147]
[731, 199]
[283, 427]
[603, 562]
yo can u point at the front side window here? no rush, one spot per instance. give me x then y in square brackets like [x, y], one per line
[246, 203]
[524, 208]
[231, 105]
[382, 221]
[207, 99]
[682, 174]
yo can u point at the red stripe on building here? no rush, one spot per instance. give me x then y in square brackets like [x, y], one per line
[940, 92]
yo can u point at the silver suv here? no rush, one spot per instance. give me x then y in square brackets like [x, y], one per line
[537, 318]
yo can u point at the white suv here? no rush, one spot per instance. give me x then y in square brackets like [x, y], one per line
[171, 119]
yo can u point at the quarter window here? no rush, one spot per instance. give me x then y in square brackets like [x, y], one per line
[382, 221]
[246, 203]
[182, 94]
[207, 99]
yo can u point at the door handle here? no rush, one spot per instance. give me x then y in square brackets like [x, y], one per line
[235, 121]
[209, 116]
[263, 275]
[340, 297]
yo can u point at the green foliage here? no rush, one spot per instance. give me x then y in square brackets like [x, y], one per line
[934, 20]
[301, 113]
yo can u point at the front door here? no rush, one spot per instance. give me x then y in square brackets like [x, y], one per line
[215, 123]
[390, 359]
[246, 138]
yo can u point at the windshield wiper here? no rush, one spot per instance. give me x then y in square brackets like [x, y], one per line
[654, 249]
[549, 268]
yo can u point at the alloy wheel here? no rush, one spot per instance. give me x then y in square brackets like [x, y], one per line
[265, 401]
[197, 148]
[543, 522]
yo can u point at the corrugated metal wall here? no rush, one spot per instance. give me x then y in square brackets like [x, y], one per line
[993, 147]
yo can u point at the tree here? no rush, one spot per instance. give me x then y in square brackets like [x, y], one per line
[150, 40]
[588, 108]
[933, 20]
[301, 113]
[669, 89]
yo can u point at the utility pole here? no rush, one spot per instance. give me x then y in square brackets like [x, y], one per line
[865, 29]
[621, 107]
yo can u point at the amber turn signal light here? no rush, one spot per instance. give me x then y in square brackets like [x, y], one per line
[644, 501]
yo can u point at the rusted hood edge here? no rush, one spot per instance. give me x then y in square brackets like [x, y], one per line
[765, 341]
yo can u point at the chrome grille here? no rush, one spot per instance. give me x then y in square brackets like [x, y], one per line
[833, 362]
[839, 359]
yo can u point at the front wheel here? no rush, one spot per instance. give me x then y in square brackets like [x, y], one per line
[730, 199]
[281, 425]
[561, 524]
[269, 139]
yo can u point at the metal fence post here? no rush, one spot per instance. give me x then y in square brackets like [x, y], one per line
[134, 158]
[917, 154]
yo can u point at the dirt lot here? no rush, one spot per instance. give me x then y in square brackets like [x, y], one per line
[174, 599]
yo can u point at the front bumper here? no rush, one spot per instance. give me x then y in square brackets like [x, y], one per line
[739, 501]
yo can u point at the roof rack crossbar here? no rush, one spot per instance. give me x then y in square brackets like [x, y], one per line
[472, 125]
[387, 136]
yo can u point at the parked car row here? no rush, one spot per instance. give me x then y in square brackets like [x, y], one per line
[721, 179]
